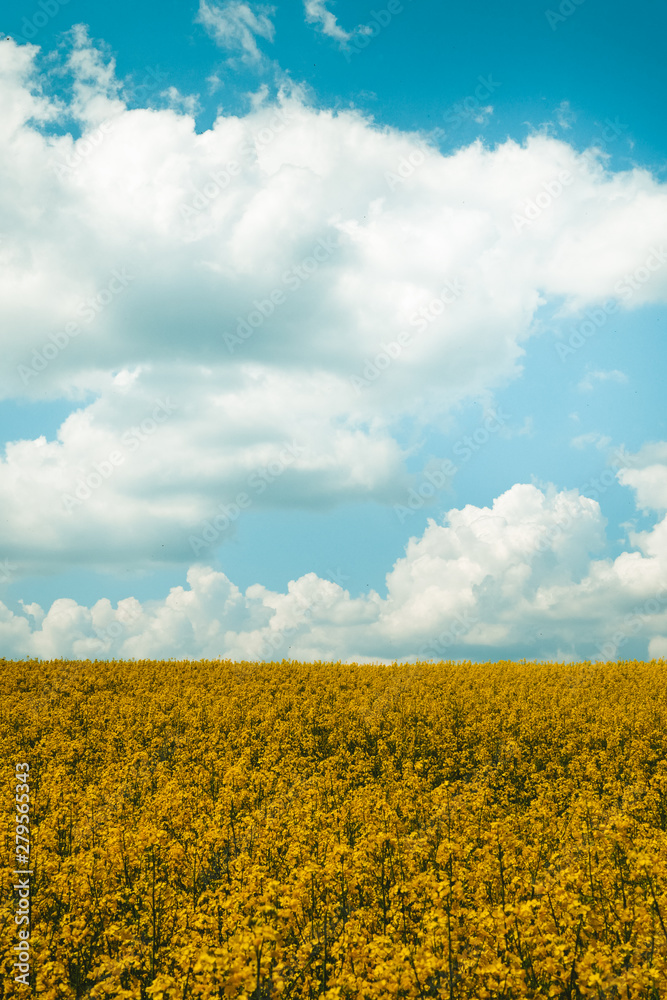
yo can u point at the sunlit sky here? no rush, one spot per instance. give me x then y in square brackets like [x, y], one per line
[333, 331]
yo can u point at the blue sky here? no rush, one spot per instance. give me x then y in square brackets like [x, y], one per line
[354, 320]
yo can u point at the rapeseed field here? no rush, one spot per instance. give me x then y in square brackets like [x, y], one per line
[218, 829]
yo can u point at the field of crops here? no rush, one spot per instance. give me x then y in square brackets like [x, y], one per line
[218, 829]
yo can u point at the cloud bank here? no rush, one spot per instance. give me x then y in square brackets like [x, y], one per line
[265, 302]
[519, 578]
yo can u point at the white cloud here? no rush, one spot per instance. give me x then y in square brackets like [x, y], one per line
[318, 13]
[600, 441]
[144, 199]
[657, 647]
[134, 476]
[649, 478]
[268, 262]
[96, 89]
[188, 104]
[236, 25]
[481, 114]
[565, 115]
[518, 578]
[588, 382]
[22, 98]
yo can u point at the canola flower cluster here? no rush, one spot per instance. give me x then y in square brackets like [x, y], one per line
[220, 829]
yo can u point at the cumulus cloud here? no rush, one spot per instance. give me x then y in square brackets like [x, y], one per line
[309, 206]
[649, 478]
[235, 25]
[657, 647]
[134, 477]
[306, 277]
[518, 578]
